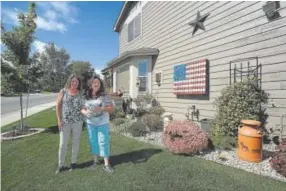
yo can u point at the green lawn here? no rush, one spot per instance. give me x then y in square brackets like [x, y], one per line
[30, 164]
[44, 119]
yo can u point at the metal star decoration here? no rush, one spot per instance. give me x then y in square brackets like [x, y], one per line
[198, 23]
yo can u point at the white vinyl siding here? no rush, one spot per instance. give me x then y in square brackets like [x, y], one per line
[234, 30]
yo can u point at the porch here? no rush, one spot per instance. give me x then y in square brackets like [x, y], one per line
[131, 73]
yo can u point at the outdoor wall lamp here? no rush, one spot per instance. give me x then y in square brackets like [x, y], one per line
[137, 82]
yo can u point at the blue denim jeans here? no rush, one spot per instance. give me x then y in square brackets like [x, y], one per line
[99, 139]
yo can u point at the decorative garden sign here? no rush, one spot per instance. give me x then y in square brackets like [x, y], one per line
[191, 78]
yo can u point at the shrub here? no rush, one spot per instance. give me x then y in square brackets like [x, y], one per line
[117, 113]
[185, 137]
[156, 110]
[138, 129]
[238, 101]
[154, 122]
[119, 121]
[140, 112]
[278, 160]
[123, 127]
[223, 142]
[120, 114]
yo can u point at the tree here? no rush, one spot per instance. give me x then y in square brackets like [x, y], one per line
[33, 73]
[9, 77]
[54, 62]
[18, 42]
[47, 59]
[83, 69]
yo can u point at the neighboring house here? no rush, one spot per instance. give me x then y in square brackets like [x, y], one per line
[157, 40]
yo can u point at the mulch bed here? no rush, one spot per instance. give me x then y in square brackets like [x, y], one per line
[18, 133]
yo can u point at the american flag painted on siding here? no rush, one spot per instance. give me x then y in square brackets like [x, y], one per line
[191, 78]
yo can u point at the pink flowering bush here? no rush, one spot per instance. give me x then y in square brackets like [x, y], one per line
[278, 159]
[185, 137]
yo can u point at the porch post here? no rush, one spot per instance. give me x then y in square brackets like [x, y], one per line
[114, 81]
[131, 81]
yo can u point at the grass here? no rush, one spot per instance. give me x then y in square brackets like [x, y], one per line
[30, 164]
[44, 119]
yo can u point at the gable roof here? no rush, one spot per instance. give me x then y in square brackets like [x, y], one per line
[122, 15]
[138, 52]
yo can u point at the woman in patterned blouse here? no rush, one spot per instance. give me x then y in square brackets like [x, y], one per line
[68, 106]
[96, 109]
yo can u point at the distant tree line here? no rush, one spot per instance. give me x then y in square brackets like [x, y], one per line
[47, 71]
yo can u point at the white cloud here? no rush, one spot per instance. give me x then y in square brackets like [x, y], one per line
[57, 11]
[98, 72]
[68, 12]
[51, 14]
[39, 46]
[10, 16]
[50, 25]
[55, 16]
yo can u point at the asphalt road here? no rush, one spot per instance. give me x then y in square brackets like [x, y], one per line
[11, 104]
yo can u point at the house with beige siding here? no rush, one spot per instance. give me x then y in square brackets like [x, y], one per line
[159, 42]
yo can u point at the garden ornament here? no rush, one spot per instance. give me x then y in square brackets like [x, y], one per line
[167, 117]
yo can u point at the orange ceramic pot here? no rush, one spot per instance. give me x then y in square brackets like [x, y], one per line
[249, 141]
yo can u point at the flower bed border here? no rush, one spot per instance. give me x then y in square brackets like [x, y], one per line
[38, 130]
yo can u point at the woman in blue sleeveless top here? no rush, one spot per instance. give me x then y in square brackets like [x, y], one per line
[96, 109]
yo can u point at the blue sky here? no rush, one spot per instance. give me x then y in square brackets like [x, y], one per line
[84, 29]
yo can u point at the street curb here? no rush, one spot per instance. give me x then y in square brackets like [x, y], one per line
[15, 115]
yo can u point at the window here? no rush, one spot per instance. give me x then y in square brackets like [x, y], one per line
[143, 75]
[134, 28]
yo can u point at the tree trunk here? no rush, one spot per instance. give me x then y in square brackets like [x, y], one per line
[21, 105]
[27, 103]
[22, 126]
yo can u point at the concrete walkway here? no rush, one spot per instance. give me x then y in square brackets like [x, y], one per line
[15, 116]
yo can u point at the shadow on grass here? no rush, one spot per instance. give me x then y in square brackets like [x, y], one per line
[138, 156]
[52, 129]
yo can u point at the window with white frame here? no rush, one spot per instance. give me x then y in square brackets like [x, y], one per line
[134, 28]
[143, 75]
